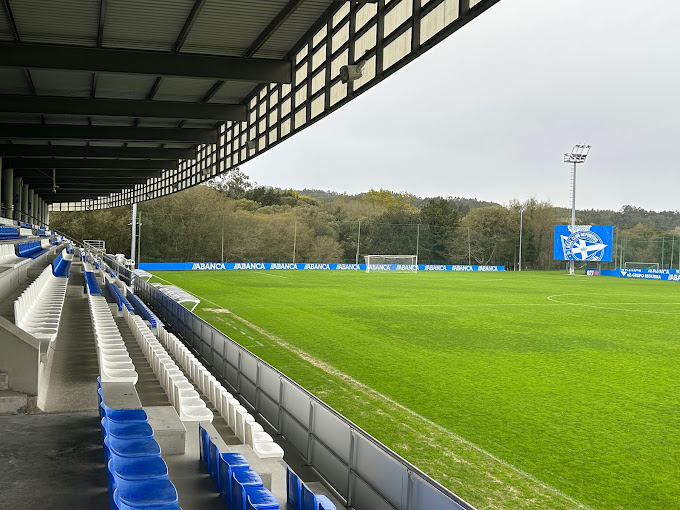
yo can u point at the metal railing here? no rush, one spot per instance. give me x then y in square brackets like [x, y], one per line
[363, 471]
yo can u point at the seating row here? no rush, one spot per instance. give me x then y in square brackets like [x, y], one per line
[237, 417]
[181, 393]
[141, 309]
[8, 256]
[61, 266]
[117, 294]
[240, 487]
[38, 309]
[91, 283]
[115, 364]
[300, 497]
[32, 249]
[137, 475]
[7, 233]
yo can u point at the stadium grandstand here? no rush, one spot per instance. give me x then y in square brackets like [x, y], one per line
[120, 396]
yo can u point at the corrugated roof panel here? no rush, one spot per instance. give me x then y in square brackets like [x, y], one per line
[178, 146]
[13, 81]
[123, 86]
[154, 122]
[183, 89]
[5, 30]
[99, 143]
[65, 119]
[65, 21]
[233, 91]
[153, 145]
[199, 123]
[112, 121]
[293, 29]
[70, 143]
[62, 83]
[228, 28]
[29, 118]
[145, 24]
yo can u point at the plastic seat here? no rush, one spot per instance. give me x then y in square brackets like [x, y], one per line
[242, 416]
[149, 494]
[251, 427]
[268, 450]
[132, 447]
[124, 414]
[214, 463]
[242, 480]
[293, 489]
[127, 430]
[259, 498]
[229, 463]
[311, 501]
[204, 447]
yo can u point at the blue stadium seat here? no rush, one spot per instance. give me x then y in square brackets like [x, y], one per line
[260, 498]
[142, 310]
[127, 430]
[229, 463]
[61, 267]
[146, 495]
[311, 501]
[123, 414]
[214, 461]
[92, 283]
[30, 249]
[293, 489]
[241, 481]
[132, 447]
[204, 447]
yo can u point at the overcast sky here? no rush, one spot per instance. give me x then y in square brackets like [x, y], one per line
[489, 112]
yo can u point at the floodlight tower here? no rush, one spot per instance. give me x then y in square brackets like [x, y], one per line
[578, 155]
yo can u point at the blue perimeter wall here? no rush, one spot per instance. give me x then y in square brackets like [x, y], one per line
[645, 274]
[240, 266]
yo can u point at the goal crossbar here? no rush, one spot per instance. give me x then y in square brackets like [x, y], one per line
[392, 263]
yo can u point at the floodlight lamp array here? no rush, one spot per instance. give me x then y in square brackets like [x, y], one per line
[578, 154]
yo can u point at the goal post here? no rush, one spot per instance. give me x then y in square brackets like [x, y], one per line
[641, 265]
[392, 263]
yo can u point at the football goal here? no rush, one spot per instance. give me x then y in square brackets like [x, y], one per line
[392, 263]
[641, 265]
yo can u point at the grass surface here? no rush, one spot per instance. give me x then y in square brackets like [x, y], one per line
[570, 384]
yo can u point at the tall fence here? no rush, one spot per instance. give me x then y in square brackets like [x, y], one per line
[363, 471]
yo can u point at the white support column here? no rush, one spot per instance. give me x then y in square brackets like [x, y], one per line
[17, 196]
[24, 203]
[31, 206]
[7, 186]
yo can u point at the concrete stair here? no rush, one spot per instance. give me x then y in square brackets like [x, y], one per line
[11, 402]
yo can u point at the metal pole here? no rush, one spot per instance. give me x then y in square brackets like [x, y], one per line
[663, 248]
[417, 241]
[521, 221]
[133, 244]
[139, 242]
[294, 239]
[358, 241]
[573, 209]
[672, 249]
[469, 252]
[222, 238]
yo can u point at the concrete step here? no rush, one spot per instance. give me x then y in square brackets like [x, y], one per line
[4, 381]
[13, 402]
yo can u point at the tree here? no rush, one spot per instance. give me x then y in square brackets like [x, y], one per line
[234, 183]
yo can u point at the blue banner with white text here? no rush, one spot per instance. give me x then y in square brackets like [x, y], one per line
[278, 266]
[643, 274]
[583, 243]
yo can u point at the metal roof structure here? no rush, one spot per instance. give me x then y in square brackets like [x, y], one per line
[105, 103]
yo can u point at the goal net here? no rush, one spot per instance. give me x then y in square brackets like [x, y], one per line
[392, 263]
[641, 265]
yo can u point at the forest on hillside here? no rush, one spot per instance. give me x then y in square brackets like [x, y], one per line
[232, 220]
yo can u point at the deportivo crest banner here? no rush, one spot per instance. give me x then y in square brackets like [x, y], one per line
[583, 242]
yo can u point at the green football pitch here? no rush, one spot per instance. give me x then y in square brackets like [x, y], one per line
[515, 390]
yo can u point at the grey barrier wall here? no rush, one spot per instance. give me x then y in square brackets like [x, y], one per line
[363, 471]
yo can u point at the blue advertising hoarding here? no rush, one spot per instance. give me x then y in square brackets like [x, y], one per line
[583, 242]
[289, 266]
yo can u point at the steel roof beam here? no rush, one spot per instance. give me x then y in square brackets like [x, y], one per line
[71, 132]
[72, 151]
[120, 107]
[87, 177]
[273, 26]
[109, 60]
[99, 164]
